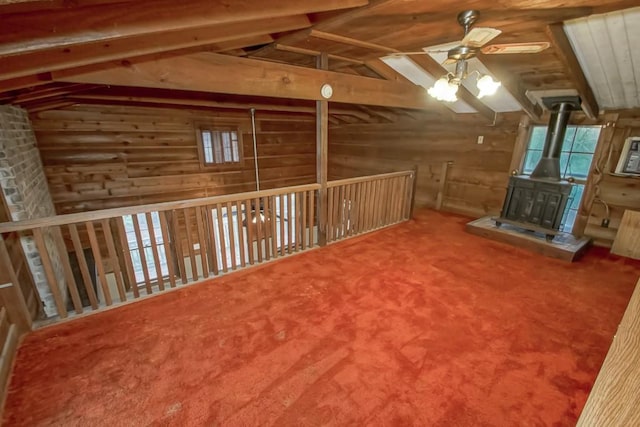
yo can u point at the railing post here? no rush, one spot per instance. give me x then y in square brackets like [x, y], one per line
[414, 186]
[11, 297]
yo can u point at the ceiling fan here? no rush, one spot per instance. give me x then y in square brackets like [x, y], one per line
[474, 40]
[446, 87]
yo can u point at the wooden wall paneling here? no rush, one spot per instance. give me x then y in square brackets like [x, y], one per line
[98, 157]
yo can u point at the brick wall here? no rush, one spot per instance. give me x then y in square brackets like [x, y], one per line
[26, 193]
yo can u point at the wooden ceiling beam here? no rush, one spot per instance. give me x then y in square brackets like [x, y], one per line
[349, 41]
[21, 32]
[310, 52]
[106, 97]
[564, 51]
[50, 92]
[208, 72]
[24, 82]
[29, 62]
[437, 70]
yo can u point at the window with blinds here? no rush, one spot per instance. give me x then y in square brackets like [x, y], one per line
[219, 147]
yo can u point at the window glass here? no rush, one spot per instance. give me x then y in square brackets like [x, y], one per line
[219, 146]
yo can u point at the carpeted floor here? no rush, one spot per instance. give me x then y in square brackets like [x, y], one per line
[420, 324]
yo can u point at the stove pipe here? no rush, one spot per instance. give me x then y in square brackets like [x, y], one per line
[549, 165]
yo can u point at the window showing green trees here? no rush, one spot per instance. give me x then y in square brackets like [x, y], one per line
[575, 161]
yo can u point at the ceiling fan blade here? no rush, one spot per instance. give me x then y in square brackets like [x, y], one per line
[449, 61]
[509, 48]
[480, 36]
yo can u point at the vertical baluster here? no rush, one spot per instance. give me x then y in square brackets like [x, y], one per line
[303, 221]
[126, 255]
[290, 236]
[346, 209]
[405, 198]
[330, 214]
[250, 230]
[177, 242]
[114, 261]
[385, 202]
[143, 257]
[266, 230]
[312, 218]
[190, 243]
[49, 272]
[95, 248]
[296, 222]
[84, 269]
[232, 239]
[395, 200]
[337, 208]
[212, 238]
[273, 226]
[238, 221]
[68, 272]
[282, 225]
[154, 250]
[257, 223]
[223, 241]
[204, 245]
[166, 241]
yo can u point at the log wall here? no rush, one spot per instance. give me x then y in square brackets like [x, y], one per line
[98, 157]
[454, 170]
[618, 192]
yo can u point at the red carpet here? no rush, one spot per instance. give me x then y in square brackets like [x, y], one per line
[420, 324]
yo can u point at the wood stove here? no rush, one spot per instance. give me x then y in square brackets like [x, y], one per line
[538, 202]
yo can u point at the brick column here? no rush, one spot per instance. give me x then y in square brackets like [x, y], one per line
[26, 192]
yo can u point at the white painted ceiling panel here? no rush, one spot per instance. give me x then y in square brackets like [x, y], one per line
[608, 49]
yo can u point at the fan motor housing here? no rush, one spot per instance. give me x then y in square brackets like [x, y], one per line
[462, 53]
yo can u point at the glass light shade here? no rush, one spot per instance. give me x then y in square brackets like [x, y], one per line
[487, 86]
[443, 90]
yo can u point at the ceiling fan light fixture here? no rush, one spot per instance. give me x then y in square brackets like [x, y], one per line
[487, 86]
[444, 90]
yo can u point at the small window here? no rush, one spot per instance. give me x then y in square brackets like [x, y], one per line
[219, 146]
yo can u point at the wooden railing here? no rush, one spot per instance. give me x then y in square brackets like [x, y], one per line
[363, 204]
[125, 253]
[96, 259]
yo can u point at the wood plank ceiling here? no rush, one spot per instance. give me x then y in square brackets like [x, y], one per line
[48, 48]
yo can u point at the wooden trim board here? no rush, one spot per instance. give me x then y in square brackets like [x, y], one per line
[615, 397]
[564, 246]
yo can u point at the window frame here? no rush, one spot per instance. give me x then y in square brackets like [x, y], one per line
[200, 128]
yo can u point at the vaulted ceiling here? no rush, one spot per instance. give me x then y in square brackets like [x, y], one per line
[226, 55]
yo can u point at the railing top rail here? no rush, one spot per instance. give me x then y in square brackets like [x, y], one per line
[74, 218]
[355, 180]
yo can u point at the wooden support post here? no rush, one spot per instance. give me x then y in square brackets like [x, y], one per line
[442, 187]
[598, 168]
[322, 153]
[520, 147]
[11, 297]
